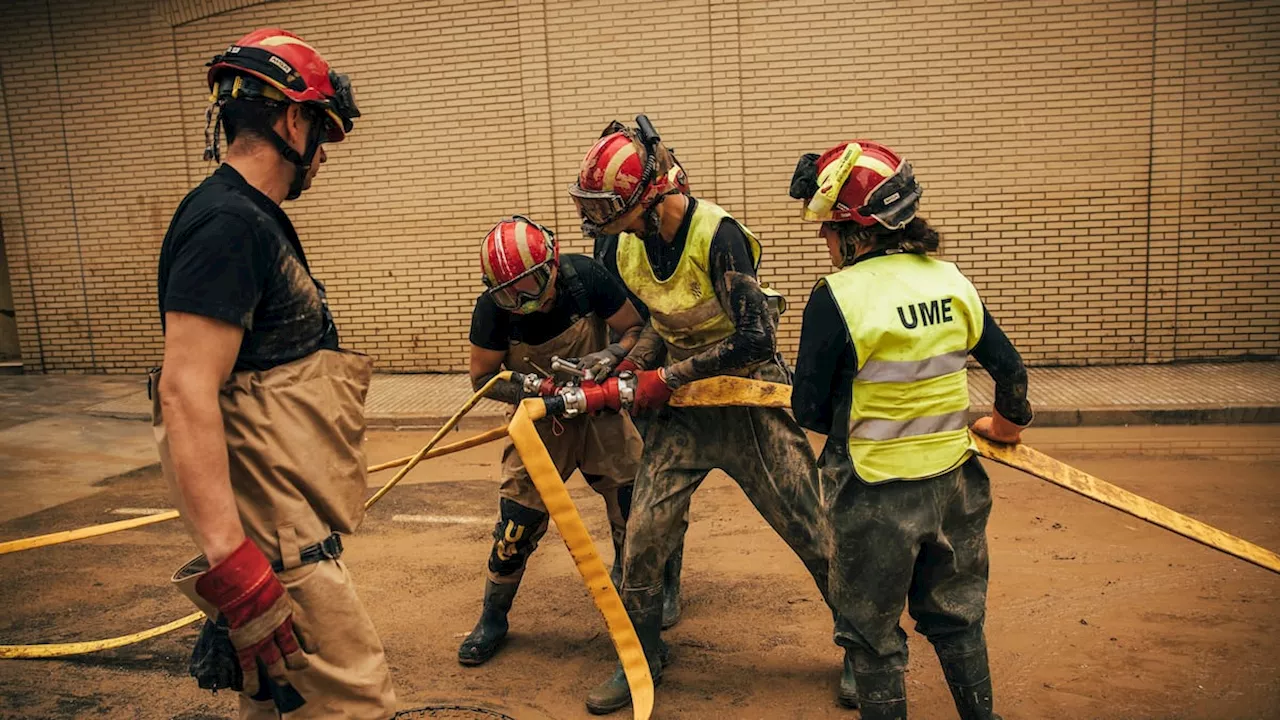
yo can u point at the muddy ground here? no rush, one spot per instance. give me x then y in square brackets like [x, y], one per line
[1092, 614]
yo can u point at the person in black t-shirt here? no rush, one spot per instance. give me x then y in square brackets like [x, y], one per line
[259, 417]
[604, 246]
[538, 306]
[605, 250]
[695, 266]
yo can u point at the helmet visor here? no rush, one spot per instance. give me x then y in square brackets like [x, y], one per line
[598, 208]
[523, 293]
[344, 99]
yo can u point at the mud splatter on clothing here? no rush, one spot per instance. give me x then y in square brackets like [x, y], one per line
[232, 254]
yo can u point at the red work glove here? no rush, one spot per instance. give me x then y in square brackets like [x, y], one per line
[996, 428]
[627, 365]
[258, 612]
[652, 390]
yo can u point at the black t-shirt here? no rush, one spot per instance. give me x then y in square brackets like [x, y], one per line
[493, 328]
[233, 255]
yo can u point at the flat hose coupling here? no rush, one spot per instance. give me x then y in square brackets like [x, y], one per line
[533, 384]
[615, 393]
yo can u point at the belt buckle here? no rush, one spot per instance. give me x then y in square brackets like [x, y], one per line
[331, 547]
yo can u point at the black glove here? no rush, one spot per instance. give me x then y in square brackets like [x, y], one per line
[214, 663]
[597, 365]
[216, 666]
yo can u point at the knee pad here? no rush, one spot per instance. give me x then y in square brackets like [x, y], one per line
[515, 536]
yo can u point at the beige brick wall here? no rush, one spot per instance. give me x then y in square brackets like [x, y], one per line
[1105, 172]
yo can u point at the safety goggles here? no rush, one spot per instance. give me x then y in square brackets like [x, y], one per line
[893, 202]
[523, 293]
[343, 101]
[599, 208]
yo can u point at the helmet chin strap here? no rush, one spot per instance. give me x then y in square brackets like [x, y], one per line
[652, 221]
[301, 163]
[652, 228]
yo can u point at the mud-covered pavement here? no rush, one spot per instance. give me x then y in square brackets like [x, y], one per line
[1092, 614]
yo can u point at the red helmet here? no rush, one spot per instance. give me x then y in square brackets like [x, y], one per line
[288, 69]
[625, 168]
[859, 180]
[518, 258]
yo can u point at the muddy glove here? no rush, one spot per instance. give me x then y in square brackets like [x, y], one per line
[996, 428]
[653, 389]
[259, 614]
[598, 365]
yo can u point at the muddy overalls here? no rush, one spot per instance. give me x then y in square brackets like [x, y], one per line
[909, 499]
[605, 447]
[762, 449]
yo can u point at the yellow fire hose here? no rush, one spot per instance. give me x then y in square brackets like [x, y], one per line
[66, 536]
[52, 650]
[561, 509]
[741, 391]
[1035, 463]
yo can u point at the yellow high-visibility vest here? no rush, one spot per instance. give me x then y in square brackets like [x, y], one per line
[913, 320]
[684, 308]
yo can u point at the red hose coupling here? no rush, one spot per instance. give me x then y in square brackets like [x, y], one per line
[601, 396]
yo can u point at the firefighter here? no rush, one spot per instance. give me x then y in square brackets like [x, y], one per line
[539, 305]
[694, 266]
[258, 412]
[881, 372]
[605, 251]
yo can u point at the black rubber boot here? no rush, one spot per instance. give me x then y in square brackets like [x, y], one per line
[969, 677]
[848, 697]
[671, 588]
[614, 693]
[484, 641]
[882, 695]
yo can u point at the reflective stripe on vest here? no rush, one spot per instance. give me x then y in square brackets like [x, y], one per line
[913, 320]
[684, 308]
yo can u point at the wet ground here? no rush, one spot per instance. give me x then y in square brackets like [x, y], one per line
[1092, 614]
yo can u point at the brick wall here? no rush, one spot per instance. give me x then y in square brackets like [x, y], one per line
[1105, 172]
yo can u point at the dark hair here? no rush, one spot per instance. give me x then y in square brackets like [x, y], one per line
[917, 237]
[250, 117]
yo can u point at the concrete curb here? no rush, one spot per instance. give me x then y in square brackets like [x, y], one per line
[1121, 416]
[1045, 417]
[1188, 394]
[433, 422]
